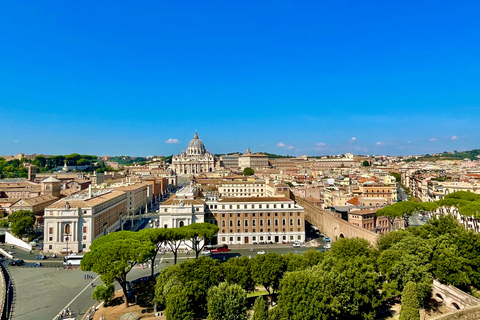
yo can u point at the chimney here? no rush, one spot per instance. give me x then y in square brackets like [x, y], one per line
[89, 191]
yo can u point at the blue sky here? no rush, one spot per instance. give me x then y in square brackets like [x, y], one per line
[287, 77]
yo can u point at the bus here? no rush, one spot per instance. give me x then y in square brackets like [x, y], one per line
[72, 260]
[222, 248]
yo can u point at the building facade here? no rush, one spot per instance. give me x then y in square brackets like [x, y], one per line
[253, 160]
[196, 160]
[72, 223]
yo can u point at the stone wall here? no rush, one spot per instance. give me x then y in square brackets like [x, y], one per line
[333, 226]
[472, 313]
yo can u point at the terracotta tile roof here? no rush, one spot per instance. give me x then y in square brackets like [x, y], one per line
[37, 200]
[355, 201]
[87, 203]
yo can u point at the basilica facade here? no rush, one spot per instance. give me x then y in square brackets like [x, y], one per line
[196, 160]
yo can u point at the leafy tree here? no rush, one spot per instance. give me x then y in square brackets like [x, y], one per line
[103, 293]
[166, 280]
[40, 161]
[115, 258]
[248, 172]
[448, 265]
[260, 311]
[178, 305]
[410, 306]
[156, 236]
[398, 177]
[267, 270]
[397, 210]
[227, 302]
[197, 276]
[312, 258]
[22, 222]
[198, 234]
[238, 271]
[4, 223]
[387, 240]
[173, 239]
[23, 226]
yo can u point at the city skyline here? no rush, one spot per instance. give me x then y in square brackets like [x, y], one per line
[278, 77]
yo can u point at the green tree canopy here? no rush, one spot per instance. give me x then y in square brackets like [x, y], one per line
[267, 270]
[178, 305]
[260, 311]
[103, 293]
[156, 237]
[114, 259]
[227, 302]
[239, 271]
[22, 222]
[410, 306]
[174, 238]
[248, 172]
[198, 234]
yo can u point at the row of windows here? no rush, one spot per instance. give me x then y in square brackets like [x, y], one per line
[261, 238]
[261, 222]
[260, 214]
[259, 206]
[242, 190]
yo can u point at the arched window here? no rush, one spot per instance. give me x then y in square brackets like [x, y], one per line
[67, 229]
[182, 223]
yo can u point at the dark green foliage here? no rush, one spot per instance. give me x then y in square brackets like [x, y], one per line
[103, 293]
[410, 306]
[22, 222]
[198, 234]
[248, 172]
[178, 305]
[267, 270]
[166, 280]
[227, 302]
[260, 311]
[238, 271]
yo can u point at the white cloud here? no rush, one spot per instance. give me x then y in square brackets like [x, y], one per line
[320, 146]
[172, 141]
[432, 139]
[281, 145]
[353, 138]
[290, 147]
[454, 138]
[378, 143]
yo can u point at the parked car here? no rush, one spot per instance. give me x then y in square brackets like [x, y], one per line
[11, 252]
[327, 239]
[41, 257]
[53, 255]
[205, 252]
[38, 264]
[328, 246]
[296, 245]
[261, 252]
[17, 262]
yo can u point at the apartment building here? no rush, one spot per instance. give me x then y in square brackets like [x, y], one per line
[242, 189]
[257, 219]
[253, 160]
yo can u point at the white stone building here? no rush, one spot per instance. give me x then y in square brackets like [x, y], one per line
[196, 160]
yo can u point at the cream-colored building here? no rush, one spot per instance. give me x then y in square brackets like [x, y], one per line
[253, 160]
[72, 223]
[257, 219]
[139, 195]
[196, 160]
[242, 189]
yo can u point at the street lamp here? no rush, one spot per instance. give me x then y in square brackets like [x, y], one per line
[66, 239]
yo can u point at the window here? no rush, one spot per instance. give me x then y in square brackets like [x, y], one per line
[276, 222]
[246, 223]
[223, 239]
[50, 230]
[50, 246]
[231, 223]
[50, 239]
[238, 214]
[84, 246]
[231, 239]
[283, 222]
[268, 214]
[84, 237]
[239, 223]
[223, 223]
[67, 228]
[239, 239]
[261, 222]
[298, 222]
[254, 223]
[268, 222]
[291, 222]
[84, 229]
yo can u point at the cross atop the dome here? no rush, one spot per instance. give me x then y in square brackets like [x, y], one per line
[196, 135]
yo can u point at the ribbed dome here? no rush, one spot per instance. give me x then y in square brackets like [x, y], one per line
[196, 147]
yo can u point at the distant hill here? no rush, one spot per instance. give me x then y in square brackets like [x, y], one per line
[270, 155]
[455, 155]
